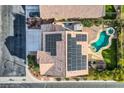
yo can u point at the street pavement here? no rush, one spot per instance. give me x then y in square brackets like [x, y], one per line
[65, 85]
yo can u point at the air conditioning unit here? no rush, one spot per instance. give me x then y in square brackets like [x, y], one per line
[78, 27]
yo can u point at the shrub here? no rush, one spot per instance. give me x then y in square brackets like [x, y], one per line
[77, 79]
[116, 74]
[58, 79]
[87, 22]
[66, 78]
[121, 62]
[32, 63]
[84, 78]
[97, 22]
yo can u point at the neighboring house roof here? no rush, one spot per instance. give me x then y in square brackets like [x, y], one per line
[71, 11]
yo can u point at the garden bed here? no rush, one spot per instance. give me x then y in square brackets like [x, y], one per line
[91, 22]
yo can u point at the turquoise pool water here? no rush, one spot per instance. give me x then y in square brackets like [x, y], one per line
[103, 40]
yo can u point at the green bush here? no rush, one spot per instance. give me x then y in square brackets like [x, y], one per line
[110, 12]
[85, 78]
[76, 78]
[110, 8]
[33, 63]
[58, 79]
[87, 22]
[66, 78]
[97, 22]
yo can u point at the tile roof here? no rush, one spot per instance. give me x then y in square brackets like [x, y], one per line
[71, 11]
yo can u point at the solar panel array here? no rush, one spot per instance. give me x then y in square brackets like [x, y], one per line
[76, 61]
[50, 43]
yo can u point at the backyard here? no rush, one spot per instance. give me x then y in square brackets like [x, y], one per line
[110, 58]
[113, 57]
[113, 71]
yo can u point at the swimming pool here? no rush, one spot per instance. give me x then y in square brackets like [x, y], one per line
[103, 39]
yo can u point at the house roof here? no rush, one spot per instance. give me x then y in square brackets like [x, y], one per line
[71, 11]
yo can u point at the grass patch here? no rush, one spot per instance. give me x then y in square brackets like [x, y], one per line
[121, 47]
[110, 55]
[122, 8]
[122, 11]
[121, 43]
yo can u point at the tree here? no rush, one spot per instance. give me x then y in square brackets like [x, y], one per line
[110, 12]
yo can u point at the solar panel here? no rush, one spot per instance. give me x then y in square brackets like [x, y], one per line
[81, 37]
